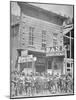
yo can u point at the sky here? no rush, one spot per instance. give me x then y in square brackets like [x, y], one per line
[59, 9]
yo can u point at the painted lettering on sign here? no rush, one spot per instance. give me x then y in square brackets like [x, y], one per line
[24, 53]
[54, 49]
[28, 58]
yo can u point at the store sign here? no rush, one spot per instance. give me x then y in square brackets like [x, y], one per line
[68, 60]
[55, 54]
[22, 59]
[53, 51]
[24, 53]
[29, 58]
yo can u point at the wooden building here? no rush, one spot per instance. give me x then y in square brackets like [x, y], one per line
[41, 34]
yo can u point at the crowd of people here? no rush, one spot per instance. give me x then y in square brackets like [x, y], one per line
[34, 84]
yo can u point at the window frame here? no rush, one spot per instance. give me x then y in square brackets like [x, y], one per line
[31, 35]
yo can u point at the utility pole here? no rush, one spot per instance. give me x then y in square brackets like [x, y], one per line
[70, 50]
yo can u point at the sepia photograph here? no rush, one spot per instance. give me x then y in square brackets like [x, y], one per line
[41, 49]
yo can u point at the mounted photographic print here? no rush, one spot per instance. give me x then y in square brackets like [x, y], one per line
[41, 49]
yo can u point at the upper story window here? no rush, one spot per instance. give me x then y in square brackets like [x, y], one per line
[43, 39]
[31, 35]
[55, 36]
[43, 36]
[43, 46]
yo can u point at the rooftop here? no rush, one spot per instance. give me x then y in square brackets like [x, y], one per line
[48, 13]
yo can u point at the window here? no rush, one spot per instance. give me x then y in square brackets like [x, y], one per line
[49, 64]
[68, 64]
[55, 35]
[41, 60]
[54, 42]
[43, 36]
[68, 54]
[68, 69]
[31, 35]
[55, 66]
[43, 45]
[25, 65]
[43, 39]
